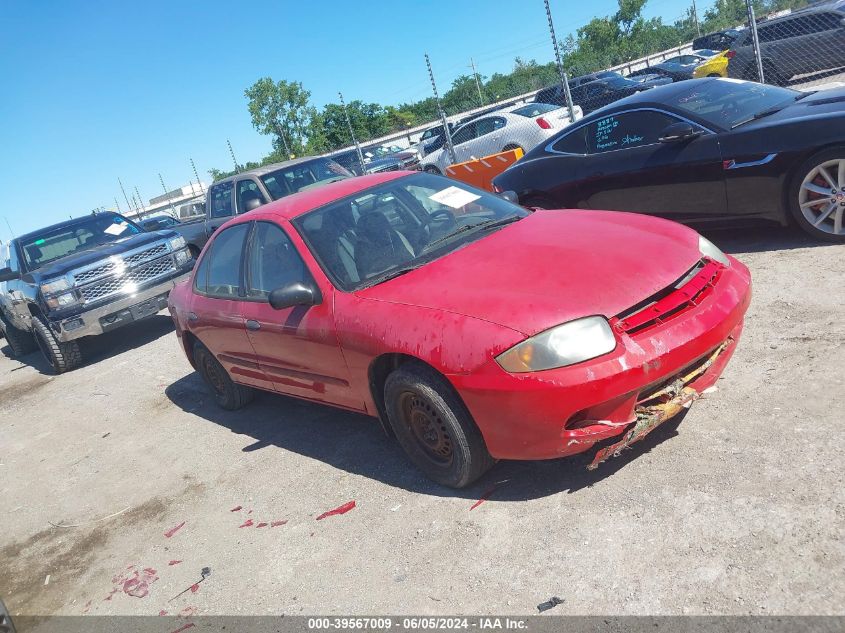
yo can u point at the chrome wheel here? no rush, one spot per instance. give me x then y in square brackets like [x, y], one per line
[821, 197]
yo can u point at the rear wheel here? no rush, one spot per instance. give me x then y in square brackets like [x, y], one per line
[20, 342]
[512, 146]
[228, 394]
[434, 427]
[61, 356]
[817, 195]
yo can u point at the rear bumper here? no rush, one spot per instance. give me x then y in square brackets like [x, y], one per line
[565, 411]
[115, 314]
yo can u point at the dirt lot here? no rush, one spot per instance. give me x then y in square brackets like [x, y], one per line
[739, 508]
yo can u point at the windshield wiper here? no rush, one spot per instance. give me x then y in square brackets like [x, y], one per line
[805, 94]
[396, 272]
[759, 115]
[481, 226]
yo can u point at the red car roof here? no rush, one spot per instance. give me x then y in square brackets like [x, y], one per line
[294, 205]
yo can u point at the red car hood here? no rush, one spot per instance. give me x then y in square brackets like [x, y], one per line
[551, 267]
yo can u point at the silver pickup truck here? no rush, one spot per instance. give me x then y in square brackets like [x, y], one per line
[83, 277]
[249, 190]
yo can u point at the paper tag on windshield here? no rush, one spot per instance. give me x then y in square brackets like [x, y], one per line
[454, 197]
[115, 229]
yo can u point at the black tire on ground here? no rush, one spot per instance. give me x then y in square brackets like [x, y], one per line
[20, 342]
[228, 394]
[835, 197]
[194, 251]
[62, 357]
[434, 427]
[431, 169]
[714, 75]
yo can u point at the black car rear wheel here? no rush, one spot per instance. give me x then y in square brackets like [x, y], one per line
[434, 427]
[20, 342]
[62, 356]
[817, 195]
[228, 394]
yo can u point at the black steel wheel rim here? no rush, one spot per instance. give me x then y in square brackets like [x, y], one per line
[213, 376]
[427, 428]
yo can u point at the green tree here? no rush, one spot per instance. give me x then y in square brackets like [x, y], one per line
[280, 109]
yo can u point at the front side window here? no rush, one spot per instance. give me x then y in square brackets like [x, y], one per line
[273, 261]
[626, 130]
[365, 239]
[82, 235]
[466, 133]
[221, 200]
[249, 196]
[219, 272]
[295, 178]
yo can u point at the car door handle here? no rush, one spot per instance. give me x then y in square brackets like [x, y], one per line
[252, 325]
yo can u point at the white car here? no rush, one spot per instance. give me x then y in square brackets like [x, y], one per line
[522, 126]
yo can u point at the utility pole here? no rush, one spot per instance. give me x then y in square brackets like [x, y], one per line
[449, 147]
[352, 133]
[232, 152]
[199, 182]
[695, 19]
[140, 201]
[477, 82]
[125, 197]
[564, 80]
[167, 196]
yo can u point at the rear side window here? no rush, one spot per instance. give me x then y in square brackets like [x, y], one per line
[222, 264]
[221, 200]
[572, 143]
[629, 129]
[273, 261]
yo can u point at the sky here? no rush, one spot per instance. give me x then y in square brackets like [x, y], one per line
[96, 91]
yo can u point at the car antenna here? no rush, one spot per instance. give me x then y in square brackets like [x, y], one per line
[10, 226]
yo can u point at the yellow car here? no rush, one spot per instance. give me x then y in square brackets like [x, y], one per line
[716, 66]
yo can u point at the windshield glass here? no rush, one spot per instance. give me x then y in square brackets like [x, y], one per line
[83, 235]
[534, 109]
[158, 223]
[391, 228]
[283, 182]
[728, 102]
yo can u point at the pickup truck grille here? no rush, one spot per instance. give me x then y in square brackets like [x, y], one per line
[109, 267]
[128, 281]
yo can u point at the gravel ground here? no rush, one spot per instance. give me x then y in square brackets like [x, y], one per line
[737, 509]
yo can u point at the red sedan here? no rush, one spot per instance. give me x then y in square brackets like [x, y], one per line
[473, 328]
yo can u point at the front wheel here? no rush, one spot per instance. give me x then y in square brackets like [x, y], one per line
[817, 195]
[434, 427]
[228, 394]
[61, 356]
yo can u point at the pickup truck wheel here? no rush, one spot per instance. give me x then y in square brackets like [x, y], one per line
[61, 356]
[20, 342]
[229, 395]
[434, 427]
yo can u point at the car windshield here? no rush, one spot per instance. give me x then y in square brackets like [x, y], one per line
[730, 102]
[156, 224]
[534, 109]
[398, 226]
[82, 235]
[616, 81]
[288, 180]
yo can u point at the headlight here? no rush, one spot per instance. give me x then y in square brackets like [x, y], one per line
[709, 249]
[176, 243]
[62, 301]
[55, 286]
[182, 256]
[560, 346]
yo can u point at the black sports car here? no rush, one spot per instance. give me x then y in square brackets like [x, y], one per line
[702, 150]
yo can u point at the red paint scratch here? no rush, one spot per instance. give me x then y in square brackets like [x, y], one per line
[262, 524]
[173, 530]
[195, 587]
[187, 612]
[346, 507]
[87, 606]
[484, 497]
[247, 523]
[173, 562]
[236, 509]
[111, 595]
[162, 612]
[138, 586]
[184, 627]
[278, 523]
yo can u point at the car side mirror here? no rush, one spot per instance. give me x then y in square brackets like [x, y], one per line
[7, 274]
[295, 293]
[510, 196]
[678, 132]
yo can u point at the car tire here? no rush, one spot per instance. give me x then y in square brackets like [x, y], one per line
[228, 394]
[194, 251]
[820, 219]
[434, 427]
[714, 75]
[431, 169]
[512, 146]
[62, 357]
[20, 342]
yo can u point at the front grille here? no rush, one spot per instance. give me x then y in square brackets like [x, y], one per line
[672, 301]
[143, 256]
[109, 267]
[93, 273]
[127, 282]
